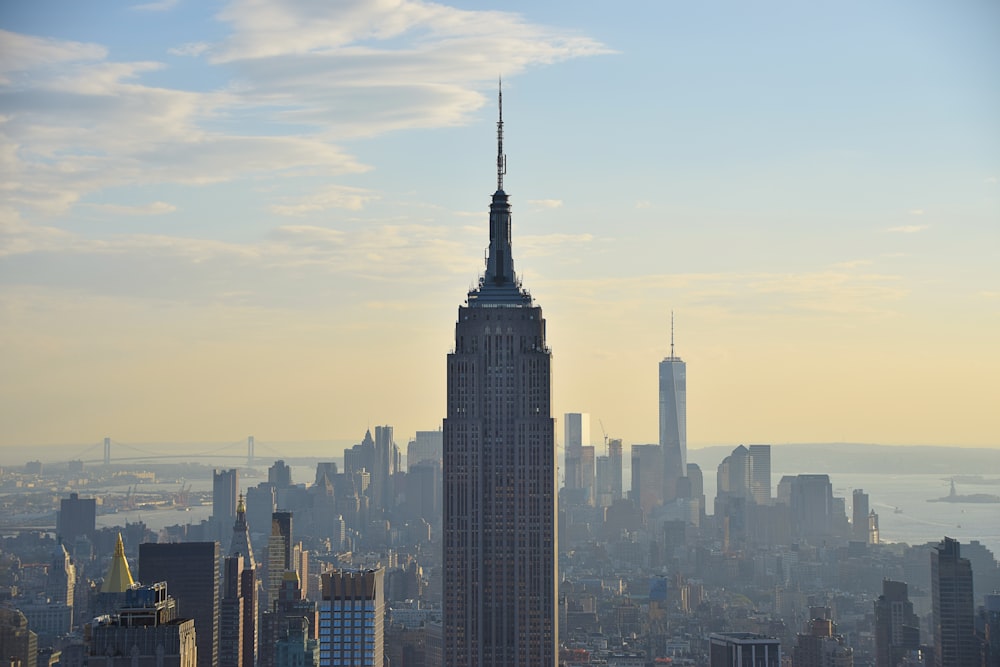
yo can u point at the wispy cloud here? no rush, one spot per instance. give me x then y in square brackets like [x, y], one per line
[154, 208]
[540, 204]
[159, 6]
[908, 229]
[917, 211]
[190, 49]
[336, 196]
[643, 203]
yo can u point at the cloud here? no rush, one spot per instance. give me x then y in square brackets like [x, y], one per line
[190, 49]
[917, 211]
[991, 179]
[336, 196]
[159, 6]
[546, 203]
[908, 229]
[643, 203]
[154, 208]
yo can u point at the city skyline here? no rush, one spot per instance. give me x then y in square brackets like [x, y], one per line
[253, 217]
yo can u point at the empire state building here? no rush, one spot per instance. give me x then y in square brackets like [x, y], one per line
[500, 569]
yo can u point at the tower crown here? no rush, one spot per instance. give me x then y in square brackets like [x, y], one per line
[499, 284]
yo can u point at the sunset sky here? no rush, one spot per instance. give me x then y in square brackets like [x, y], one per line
[259, 217]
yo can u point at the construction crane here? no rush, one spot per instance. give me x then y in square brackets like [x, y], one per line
[601, 422]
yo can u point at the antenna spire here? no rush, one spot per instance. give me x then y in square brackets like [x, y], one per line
[501, 158]
[671, 334]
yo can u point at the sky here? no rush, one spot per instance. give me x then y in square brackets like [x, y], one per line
[220, 219]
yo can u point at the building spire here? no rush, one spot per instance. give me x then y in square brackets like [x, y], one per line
[501, 158]
[671, 334]
[119, 577]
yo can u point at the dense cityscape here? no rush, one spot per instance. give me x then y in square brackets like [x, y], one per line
[470, 554]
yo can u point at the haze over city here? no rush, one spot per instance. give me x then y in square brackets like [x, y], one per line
[260, 217]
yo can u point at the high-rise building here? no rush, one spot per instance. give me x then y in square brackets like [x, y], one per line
[191, 571]
[859, 516]
[647, 476]
[225, 489]
[238, 614]
[351, 618]
[760, 474]
[820, 646]
[279, 475]
[62, 577]
[77, 516]
[239, 543]
[279, 553]
[119, 577]
[425, 446]
[576, 434]
[500, 545]
[147, 631]
[736, 649]
[18, 643]
[897, 628]
[295, 648]
[955, 641]
[673, 419]
[991, 610]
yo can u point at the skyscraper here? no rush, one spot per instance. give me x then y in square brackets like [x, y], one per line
[955, 641]
[225, 488]
[760, 474]
[500, 568]
[351, 618]
[191, 571]
[743, 648]
[673, 419]
[859, 516]
[77, 516]
[279, 553]
[897, 628]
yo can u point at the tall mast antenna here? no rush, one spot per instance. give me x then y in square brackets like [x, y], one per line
[671, 334]
[501, 158]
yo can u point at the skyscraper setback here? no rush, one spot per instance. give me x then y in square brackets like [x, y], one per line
[673, 419]
[500, 569]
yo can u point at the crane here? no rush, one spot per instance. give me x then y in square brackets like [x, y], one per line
[601, 422]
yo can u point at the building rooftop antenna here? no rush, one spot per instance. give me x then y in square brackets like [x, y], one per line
[501, 158]
[671, 334]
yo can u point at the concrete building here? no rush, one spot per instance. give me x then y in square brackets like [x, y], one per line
[739, 649]
[18, 644]
[425, 446]
[146, 632]
[760, 474]
[351, 618]
[225, 491]
[77, 516]
[500, 502]
[191, 570]
[820, 646]
[955, 640]
[647, 477]
[897, 628]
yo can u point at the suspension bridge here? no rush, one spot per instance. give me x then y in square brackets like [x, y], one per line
[125, 452]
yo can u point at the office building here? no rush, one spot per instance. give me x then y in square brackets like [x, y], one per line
[146, 631]
[743, 649]
[191, 571]
[760, 474]
[77, 516]
[279, 553]
[225, 490]
[647, 476]
[859, 516]
[576, 434]
[238, 613]
[500, 506]
[289, 605]
[955, 641]
[820, 646]
[351, 618]
[991, 611]
[425, 446]
[673, 419]
[18, 644]
[295, 648]
[897, 628]
[62, 577]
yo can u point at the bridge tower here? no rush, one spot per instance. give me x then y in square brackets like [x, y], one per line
[250, 451]
[107, 451]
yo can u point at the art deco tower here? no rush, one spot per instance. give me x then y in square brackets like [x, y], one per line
[500, 470]
[673, 419]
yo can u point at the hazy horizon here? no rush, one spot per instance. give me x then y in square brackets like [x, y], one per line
[261, 217]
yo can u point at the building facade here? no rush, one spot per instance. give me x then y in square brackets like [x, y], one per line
[500, 504]
[351, 618]
[191, 570]
[955, 641]
[673, 419]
